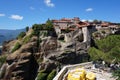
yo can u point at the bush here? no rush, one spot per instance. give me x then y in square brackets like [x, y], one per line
[49, 25]
[45, 33]
[26, 39]
[21, 35]
[36, 29]
[17, 46]
[27, 29]
[38, 42]
[2, 60]
[51, 75]
[41, 76]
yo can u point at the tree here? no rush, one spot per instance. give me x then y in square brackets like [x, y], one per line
[49, 25]
[107, 49]
[95, 21]
[37, 28]
[95, 54]
[27, 28]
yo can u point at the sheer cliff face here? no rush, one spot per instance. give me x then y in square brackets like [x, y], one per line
[24, 63]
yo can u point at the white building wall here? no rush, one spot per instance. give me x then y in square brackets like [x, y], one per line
[57, 30]
[85, 34]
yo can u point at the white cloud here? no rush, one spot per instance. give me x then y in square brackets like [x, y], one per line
[89, 9]
[90, 20]
[16, 17]
[1, 15]
[32, 8]
[49, 3]
[83, 20]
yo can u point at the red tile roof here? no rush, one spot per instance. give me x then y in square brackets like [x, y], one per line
[105, 24]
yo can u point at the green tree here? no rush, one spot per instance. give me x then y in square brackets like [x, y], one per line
[95, 54]
[107, 49]
[95, 21]
[27, 28]
[49, 25]
[37, 28]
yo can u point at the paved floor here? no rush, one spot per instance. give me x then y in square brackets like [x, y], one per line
[89, 67]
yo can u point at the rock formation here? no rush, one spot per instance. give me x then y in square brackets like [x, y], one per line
[29, 59]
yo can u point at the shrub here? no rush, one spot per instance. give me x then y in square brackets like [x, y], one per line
[49, 25]
[38, 42]
[21, 35]
[17, 46]
[27, 28]
[36, 29]
[51, 75]
[45, 33]
[26, 39]
[41, 76]
[2, 60]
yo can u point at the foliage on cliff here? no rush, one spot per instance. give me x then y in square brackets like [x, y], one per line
[107, 49]
[2, 60]
[51, 75]
[21, 35]
[42, 76]
[17, 46]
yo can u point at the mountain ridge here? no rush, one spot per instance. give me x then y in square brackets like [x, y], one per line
[6, 34]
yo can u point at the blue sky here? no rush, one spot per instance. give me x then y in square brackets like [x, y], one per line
[17, 14]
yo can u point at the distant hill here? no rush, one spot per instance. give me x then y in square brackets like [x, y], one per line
[6, 35]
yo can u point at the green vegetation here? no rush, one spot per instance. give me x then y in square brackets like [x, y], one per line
[49, 25]
[67, 30]
[97, 21]
[41, 76]
[62, 40]
[16, 47]
[36, 29]
[116, 74]
[38, 42]
[26, 39]
[40, 60]
[27, 29]
[2, 60]
[21, 35]
[51, 75]
[45, 33]
[108, 49]
[95, 54]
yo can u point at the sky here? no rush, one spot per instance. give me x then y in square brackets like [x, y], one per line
[17, 14]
